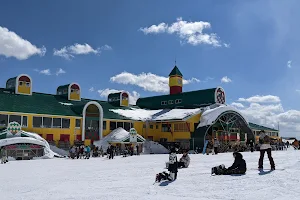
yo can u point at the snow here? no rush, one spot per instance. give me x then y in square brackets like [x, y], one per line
[65, 104]
[59, 151]
[132, 178]
[151, 147]
[156, 115]
[209, 116]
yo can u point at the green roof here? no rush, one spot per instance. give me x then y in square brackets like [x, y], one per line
[193, 99]
[63, 87]
[40, 103]
[260, 127]
[175, 72]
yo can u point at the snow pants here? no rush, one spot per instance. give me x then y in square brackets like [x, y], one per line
[165, 176]
[221, 170]
[261, 159]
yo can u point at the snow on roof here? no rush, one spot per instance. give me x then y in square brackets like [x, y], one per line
[156, 115]
[116, 134]
[209, 115]
[17, 140]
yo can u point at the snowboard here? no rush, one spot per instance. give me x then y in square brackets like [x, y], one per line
[204, 148]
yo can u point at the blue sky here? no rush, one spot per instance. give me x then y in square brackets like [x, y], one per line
[254, 43]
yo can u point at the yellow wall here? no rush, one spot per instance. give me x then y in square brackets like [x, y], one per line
[173, 81]
[74, 95]
[124, 102]
[23, 89]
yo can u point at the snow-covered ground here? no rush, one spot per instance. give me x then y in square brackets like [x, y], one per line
[133, 177]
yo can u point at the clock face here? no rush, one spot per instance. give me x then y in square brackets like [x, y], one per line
[179, 81]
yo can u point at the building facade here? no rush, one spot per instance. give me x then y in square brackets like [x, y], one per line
[65, 118]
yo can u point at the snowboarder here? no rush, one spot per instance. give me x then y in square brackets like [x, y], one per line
[265, 146]
[238, 167]
[184, 161]
[172, 168]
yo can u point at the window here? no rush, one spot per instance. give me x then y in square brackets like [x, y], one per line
[131, 125]
[104, 125]
[181, 127]
[156, 126]
[65, 123]
[113, 125]
[56, 123]
[165, 128]
[20, 83]
[164, 103]
[3, 120]
[47, 122]
[15, 118]
[77, 123]
[27, 84]
[178, 101]
[37, 122]
[151, 126]
[170, 101]
[24, 122]
[120, 124]
[163, 140]
[127, 126]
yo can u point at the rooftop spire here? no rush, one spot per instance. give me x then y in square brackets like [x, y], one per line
[175, 71]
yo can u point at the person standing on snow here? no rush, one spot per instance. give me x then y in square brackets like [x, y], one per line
[3, 155]
[172, 168]
[216, 146]
[265, 146]
[251, 144]
[87, 151]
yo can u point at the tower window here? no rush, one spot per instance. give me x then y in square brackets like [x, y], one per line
[20, 83]
[27, 84]
[170, 102]
[177, 101]
[163, 102]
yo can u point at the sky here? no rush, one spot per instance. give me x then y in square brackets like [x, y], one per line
[250, 48]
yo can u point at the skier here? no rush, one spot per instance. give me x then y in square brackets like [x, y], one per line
[265, 146]
[184, 161]
[238, 167]
[172, 168]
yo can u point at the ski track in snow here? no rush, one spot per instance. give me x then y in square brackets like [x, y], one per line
[133, 177]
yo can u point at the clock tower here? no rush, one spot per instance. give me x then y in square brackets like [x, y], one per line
[175, 81]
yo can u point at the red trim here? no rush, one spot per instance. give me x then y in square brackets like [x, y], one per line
[75, 86]
[175, 89]
[79, 137]
[188, 126]
[49, 137]
[124, 94]
[64, 137]
[24, 78]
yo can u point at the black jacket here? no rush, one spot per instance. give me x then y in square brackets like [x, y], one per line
[239, 163]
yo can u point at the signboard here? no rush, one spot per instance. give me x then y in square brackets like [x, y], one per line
[14, 128]
[133, 135]
[23, 146]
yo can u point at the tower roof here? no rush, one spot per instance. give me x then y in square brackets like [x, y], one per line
[175, 72]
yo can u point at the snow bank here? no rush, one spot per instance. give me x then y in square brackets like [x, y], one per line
[59, 151]
[151, 147]
[165, 114]
[116, 134]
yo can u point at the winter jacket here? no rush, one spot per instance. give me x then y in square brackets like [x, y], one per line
[265, 141]
[186, 160]
[173, 165]
[239, 163]
[217, 143]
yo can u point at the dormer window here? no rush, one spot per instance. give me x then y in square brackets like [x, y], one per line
[177, 101]
[170, 101]
[27, 84]
[164, 103]
[20, 83]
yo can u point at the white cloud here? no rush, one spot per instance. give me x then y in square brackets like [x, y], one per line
[60, 71]
[270, 113]
[106, 47]
[133, 97]
[225, 79]
[79, 49]
[238, 105]
[147, 81]
[92, 89]
[12, 45]
[289, 64]
[261, 99]
[45, 72]
[189, 32]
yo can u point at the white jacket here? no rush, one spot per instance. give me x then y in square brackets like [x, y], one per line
[264, 146]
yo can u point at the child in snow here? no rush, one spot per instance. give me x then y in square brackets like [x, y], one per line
[173, 168]
[238, 167]
[184, 160]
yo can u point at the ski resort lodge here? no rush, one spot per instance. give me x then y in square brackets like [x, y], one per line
[65, 117]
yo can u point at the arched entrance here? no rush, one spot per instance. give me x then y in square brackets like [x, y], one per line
[92, 121]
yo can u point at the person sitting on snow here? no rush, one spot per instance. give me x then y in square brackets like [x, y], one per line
[238, 167]
[172, 168]
[184, 160]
